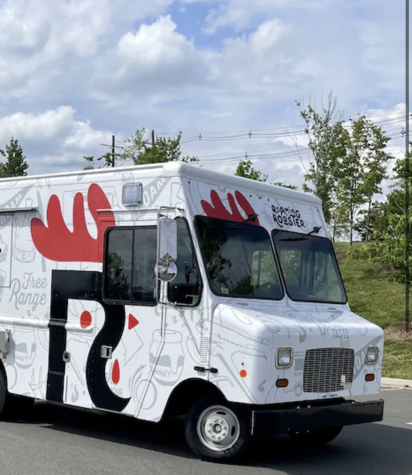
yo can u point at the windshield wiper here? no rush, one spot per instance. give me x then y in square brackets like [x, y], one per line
[316, 229]
[292, 239]
[251, 217]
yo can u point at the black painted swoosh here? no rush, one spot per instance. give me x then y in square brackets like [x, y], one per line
[83, 285]
[110, 335]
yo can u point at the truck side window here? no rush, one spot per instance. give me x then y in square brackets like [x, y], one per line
[130, 261]
[119, 264]
[186, 288]
[144, 261]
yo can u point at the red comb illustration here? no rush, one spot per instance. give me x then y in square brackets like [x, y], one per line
[57, 243]
[218, 210]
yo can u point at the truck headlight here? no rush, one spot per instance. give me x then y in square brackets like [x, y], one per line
[372, 355]
[284, 358]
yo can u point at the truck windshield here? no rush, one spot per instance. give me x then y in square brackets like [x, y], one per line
[239, 259]
[309, 267]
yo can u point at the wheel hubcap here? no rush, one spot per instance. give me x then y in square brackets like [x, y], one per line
[218, 428]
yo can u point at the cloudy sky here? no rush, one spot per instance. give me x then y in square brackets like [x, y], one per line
[72, 72]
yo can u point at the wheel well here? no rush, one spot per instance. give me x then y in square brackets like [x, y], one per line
[186, 393]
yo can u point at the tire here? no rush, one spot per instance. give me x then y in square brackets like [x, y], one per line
[316, 437]
[19, 407]
[209, 419]
[4, 395]
[12, 407]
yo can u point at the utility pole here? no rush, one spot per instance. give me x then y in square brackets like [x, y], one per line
[113, 148]
[110, 161]
[407, 163]
[153, 138]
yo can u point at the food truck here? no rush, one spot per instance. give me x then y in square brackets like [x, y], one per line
[167, 289]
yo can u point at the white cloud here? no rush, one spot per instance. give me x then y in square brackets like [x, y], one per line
[52, 29]
[53, 139]
[36, 127]
[155, 60]
[78, 26]
[84, 137]
[256, 63]
[155, 44]
[241, 14]
[123, 64]
[47, 39]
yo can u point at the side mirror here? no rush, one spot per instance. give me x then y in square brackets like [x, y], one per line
[166, 269]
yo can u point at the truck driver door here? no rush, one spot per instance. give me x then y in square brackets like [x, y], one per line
[112, 355]
[130, 286]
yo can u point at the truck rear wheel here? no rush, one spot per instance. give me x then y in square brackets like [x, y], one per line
[12, 407]
[215, 431]
[316, 437]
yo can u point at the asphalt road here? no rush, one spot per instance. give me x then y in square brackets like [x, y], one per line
[62, 441]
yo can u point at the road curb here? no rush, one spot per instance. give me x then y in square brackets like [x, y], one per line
[396, 383]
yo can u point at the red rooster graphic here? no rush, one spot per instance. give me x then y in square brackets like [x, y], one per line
[57, 243]
[218, 210]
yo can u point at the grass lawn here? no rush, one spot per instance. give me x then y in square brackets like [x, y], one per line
[397, 360]
[374, 297]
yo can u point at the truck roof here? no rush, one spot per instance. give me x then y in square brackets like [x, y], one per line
[182, 169]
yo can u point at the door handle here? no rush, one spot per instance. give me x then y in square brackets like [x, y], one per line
[106, 352]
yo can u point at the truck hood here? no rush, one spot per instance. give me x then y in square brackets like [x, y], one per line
[294, 319]
[245, 341]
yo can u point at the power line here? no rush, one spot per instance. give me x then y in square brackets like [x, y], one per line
[252, 135]
[238, 134]
[249, 135]
[261, 154]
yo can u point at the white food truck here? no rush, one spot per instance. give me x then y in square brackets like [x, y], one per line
[167, 289]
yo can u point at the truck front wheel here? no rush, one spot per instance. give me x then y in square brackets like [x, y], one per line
[316, 437]
[215, 431]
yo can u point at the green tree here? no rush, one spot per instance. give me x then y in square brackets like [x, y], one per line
[106, 161]
[371, 222]
[327, 145]
[142, 151]
[291, 187]
[389, 232]
[15, 164]
[338, 225]
[391, 250]
[160, 150]
[361, 170]
[246, 170]
[376, 161]
[394, 208]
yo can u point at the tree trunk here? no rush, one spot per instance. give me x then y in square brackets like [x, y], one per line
[351, 227]
[368, 219]
[334, 232]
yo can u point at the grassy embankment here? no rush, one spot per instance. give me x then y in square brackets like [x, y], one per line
[374, 297]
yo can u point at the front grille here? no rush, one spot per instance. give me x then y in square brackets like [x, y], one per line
[327, 370]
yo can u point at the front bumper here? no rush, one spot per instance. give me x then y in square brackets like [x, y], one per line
[281, 421]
